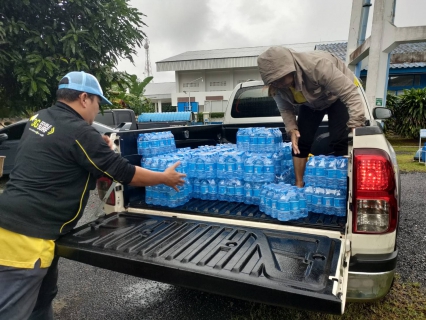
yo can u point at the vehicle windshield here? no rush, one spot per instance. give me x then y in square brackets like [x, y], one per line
[254, 102]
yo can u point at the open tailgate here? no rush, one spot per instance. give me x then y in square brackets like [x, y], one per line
[275, 267]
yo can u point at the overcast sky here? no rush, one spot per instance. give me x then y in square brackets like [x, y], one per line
[177, 26]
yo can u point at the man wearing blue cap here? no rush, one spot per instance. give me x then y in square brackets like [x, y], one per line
[59, 159]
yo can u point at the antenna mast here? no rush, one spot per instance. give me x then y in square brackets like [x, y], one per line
[148, 69]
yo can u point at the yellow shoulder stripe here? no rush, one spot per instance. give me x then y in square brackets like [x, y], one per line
[91, 161]
[79, 209]
[356, 81]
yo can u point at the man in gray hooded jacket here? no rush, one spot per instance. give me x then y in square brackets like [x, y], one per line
[318, 83]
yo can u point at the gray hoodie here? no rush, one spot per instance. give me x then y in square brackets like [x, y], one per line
[320, 76]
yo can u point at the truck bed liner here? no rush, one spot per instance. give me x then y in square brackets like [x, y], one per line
[237, 210]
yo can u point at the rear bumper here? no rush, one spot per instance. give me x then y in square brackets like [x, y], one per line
[371, 276]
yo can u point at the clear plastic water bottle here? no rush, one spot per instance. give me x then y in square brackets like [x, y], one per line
[196, 188]
[256, 187]
[230, 190]
[199, 166]
[309, 190]
[268, 201]
[317, 200]
[294, 204]
[268, 169]
[309, 177]
[342, 172]
[303, 203]
[248, 169]
[141, 148]
[274, 202]
[284, 207]
[262, 200]
[340, 203]
[204, 189]
[258, 169]
[270, 143]
[253, 140]
[221, 166]
[222, 188]
[320, 165]
[328, 201]
[239, 190]
[212, 189]
[210, 164]
[331, 173]
[248, 193]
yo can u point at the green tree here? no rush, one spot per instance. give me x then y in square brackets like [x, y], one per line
[42, 40]
[409, 113]
[129, 94]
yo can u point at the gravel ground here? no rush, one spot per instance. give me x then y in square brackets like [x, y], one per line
[412, 229]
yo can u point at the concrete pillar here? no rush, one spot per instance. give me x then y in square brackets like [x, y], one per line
[382, 35]
[160, 109]
[357, 30]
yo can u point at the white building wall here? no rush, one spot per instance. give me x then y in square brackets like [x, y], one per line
[216, 83]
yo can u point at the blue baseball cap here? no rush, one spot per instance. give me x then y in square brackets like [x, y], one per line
[84, 82]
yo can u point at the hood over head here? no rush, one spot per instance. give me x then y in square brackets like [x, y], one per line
[275, 63]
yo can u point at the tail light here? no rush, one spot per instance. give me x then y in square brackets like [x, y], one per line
[103, 185]
[374, 199]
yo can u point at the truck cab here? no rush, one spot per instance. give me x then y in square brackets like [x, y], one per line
[231, 248]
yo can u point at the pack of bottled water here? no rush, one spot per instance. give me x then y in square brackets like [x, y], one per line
[230, 164]
[163, 195]
[259, 167]
[156, 143]
[326, 184]
[283, 201]
[259, 139]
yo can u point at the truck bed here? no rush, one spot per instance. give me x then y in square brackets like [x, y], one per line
[237, 210]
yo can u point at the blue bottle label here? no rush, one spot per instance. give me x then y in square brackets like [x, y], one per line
[222, 189]
[316, 199]
[327, 201]
[258, 169]
[283, 206]
[239, 190]
[204, 189]
[339, 202]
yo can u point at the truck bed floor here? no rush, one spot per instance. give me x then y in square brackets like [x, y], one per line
[238, 210]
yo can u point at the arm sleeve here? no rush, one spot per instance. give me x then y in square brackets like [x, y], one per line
[92, 153]
[287, 112]
[334, 80]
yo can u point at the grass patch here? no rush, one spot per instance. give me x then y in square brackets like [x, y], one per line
[405, 150]
[404, 301]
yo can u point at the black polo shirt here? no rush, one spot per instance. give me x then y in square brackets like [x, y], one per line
[59, 158]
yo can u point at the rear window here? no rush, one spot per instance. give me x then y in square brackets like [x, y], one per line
[106, 118]
[253, 102]
[123, 117]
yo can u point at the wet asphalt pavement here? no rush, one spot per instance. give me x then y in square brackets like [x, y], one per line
[86, 292]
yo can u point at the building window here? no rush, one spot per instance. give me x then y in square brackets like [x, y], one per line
[191, 85]
[404, 81]
[218, 84]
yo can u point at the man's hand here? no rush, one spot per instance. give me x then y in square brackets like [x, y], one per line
[108, 142]
[172, 178]
[295, 135]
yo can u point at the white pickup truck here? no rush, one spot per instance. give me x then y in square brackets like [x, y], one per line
[315, 263]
